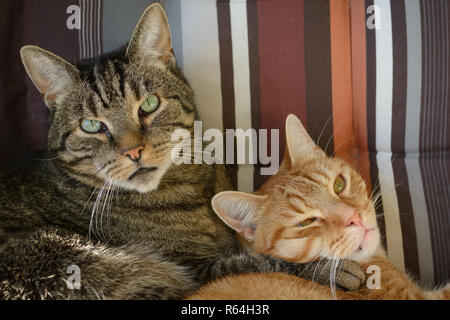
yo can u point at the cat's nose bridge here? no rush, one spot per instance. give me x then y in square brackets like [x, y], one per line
[345, 215]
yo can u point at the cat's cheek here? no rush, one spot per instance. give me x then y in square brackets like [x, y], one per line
[297, 250]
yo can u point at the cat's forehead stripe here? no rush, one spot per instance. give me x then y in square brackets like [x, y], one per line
[98, 87]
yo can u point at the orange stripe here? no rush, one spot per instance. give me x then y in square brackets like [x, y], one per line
[358, 52]
[341, 78]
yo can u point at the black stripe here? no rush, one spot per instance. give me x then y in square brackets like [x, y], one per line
[183, 106]
[253, 50]
[135, 88]
[74, 162]
[398, 124]
[121, 72]
[181, 124]
[371, 125]
[96, 90]
[62, 145]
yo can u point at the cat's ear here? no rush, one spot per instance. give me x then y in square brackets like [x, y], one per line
[299, 145]
[151, 38]
[237, 210]
[53, 76]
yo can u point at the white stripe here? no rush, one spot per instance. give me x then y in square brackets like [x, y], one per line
[87, 29]
[83, 29]
[241, 67]
[384, 70]
[91, 44]
[412, 130]
[201, 62]
[80, 52]
[421, 223]
[99, 10]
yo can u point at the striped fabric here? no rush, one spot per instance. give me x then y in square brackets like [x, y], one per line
[89, 35]
[370, 79]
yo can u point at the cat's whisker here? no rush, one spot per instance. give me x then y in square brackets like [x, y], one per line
[315, 268]
[334, 264]
[340, 146]
[87, 202]
[49, 159]
[103, 209]
[115, 194]
[332, 135]
[94, 209]
[92, 215]
[324, 126]
[109, 209]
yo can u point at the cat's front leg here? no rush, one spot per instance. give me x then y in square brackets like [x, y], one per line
[347, 274]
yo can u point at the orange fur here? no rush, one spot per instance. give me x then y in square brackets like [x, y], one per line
[276, 220]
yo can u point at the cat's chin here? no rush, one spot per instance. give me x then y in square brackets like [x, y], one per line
[144, 183]
[140, 187]
[369, 244]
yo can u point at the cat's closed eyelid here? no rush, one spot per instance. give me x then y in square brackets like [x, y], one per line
[307, 222]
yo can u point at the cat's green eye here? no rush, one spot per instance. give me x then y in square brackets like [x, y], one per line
[91, 126]
[150, 104]
[339, 184]
[307, 222]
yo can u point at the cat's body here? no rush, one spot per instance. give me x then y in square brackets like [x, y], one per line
[315, 207]
[395, 285]
[107, 214]
[129, 227]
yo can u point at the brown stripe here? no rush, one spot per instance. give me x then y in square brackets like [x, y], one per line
[100, 31]
[281, 68]
[411, 254]
[15, 85]
[93, 28]
[359, 79]
[48, 31]
[371, 125]
[294, 208]
[318, 73]
[227, 73]
[253, 55]
[341, 78]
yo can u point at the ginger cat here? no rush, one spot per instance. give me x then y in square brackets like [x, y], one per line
[314, 207]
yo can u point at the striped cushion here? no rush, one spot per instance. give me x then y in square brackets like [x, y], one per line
[375, 91]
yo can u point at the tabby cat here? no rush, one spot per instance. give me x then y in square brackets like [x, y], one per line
[315, 207]
[107, 214]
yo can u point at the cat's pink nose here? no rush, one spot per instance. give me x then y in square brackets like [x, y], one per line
[354, 219]
[134, 154]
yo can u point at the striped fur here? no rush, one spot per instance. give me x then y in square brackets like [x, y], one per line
[299, 191]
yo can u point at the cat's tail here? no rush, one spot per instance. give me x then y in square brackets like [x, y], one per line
[439, 294]
[48, 265]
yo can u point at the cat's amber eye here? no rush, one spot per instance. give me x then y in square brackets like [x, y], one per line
[91, 126]
[150, 104]
[339, 184]
[307, 222]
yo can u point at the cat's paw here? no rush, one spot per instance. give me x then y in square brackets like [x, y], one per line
[350, 275]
